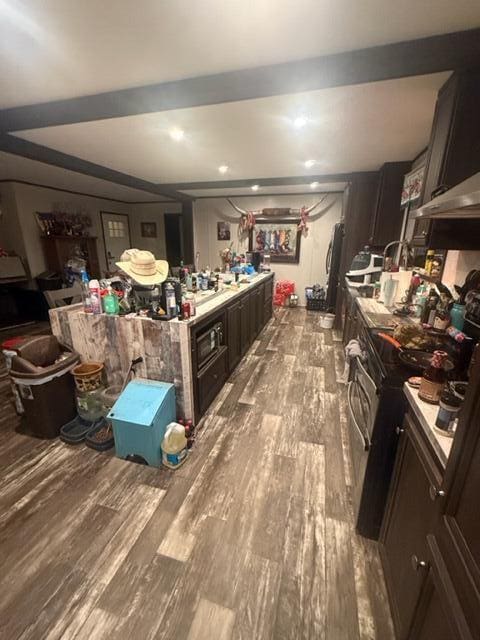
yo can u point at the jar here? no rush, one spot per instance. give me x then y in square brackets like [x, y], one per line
[447, 412]
[457, 316]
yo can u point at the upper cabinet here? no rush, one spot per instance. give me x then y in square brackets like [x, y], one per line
[386, 221]
[453, 155]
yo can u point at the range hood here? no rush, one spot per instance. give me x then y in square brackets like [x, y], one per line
[462, 201]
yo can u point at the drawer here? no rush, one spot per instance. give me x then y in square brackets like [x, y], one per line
[211, 379]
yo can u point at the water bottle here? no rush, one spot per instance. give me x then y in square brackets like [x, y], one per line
[87, 302]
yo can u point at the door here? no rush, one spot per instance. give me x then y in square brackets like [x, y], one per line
[439, 614]
[245, 323]
[116, 235]
[174, 238]
[234, 335]
[408, 519]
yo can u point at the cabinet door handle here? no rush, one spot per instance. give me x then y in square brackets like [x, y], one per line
[436, 493]
[399, 430]
[418, 564]
[424, 233]
[215, 376]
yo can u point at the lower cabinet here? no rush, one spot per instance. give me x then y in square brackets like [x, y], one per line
[439, 615]
[211, 379]
[234, 335]
[410, 516]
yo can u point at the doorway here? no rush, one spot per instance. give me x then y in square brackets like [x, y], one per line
[174, 238]
[116, 236]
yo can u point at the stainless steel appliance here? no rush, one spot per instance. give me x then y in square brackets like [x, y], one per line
[366, 268]
[332, 265]
[209, 343]
[462, 201]
[374, 395]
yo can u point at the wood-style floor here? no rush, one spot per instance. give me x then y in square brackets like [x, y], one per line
[252, 538]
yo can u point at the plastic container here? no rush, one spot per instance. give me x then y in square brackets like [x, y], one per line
[174, 446]
[110, 302]
[95, 298]
[90, 404]
[88, 376]
[389, 291]
[327, 320]
[457, 316]
[447, 412]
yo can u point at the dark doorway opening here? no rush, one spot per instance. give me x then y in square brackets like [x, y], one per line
[174, 238]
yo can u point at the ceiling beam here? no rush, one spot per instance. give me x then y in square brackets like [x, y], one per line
[267, 182]
[33, 151]
[446, 52]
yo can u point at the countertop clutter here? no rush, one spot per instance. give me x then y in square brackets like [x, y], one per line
[427, 414]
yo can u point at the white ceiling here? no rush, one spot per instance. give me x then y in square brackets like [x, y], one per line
[354, 128]
[56, 49]
[17, 168]
[330, 187]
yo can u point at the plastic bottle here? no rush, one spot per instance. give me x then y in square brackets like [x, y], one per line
[170, 300]
[87, 303]
[110, 302]
[95, 299]
[174, 446]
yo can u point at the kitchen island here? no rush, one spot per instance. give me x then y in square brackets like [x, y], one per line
[170, 349]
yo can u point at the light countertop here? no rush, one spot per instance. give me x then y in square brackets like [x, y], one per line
[426, 414]
[228, 294]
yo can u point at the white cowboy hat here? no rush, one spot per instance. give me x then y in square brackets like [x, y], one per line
[143, 268]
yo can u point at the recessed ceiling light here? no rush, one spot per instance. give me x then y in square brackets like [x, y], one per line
[313, 185]
[309, 163]
[255, 187]
[223, 168]
[299, 122]
[177, 134]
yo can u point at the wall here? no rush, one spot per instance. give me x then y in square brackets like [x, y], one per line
[153, 212]
[30, 199]
[313, 248]
[11, 237]
[457, 266]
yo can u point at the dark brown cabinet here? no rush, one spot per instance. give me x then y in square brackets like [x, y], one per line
[439, 614]
[453, 156]
[241, 321]
[211, 379]
[409, 518]
[432, 524]
[59, 249]
[387, 216]
[234, 340]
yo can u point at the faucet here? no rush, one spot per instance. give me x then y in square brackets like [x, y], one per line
[405, 249]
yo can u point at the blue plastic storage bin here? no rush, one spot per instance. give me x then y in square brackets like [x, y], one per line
[140, 417]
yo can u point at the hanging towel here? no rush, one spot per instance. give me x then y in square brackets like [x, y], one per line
[352, 350]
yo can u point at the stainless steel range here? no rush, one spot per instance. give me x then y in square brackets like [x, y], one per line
[376, 405]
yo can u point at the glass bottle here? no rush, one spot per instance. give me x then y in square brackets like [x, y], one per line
[434, 378]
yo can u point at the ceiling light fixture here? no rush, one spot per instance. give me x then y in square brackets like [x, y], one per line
[309, 163]
[255, 187]
[223, 168]
[299, 122]
[177, 134]
[313, 185]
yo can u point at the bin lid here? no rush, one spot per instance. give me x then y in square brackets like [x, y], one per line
[140, 401]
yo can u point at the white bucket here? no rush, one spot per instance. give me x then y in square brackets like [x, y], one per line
[326, 321]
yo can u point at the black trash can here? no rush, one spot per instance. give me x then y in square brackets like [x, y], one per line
[41, 373]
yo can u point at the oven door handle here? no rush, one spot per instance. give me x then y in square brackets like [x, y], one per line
[365, 439]
[365, 373]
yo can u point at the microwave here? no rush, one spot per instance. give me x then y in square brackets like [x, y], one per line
[209, 343]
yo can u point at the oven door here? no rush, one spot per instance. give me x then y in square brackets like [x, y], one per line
[362, 408]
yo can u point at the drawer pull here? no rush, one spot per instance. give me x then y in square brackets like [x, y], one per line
[418, 564]
[399, 431]
[436, 493]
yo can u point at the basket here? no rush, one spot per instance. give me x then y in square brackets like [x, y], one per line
[315, 304]
[88, 376]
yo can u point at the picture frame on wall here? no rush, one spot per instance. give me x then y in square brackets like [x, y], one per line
[281, 238]
[223, 230]
[148, 229]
